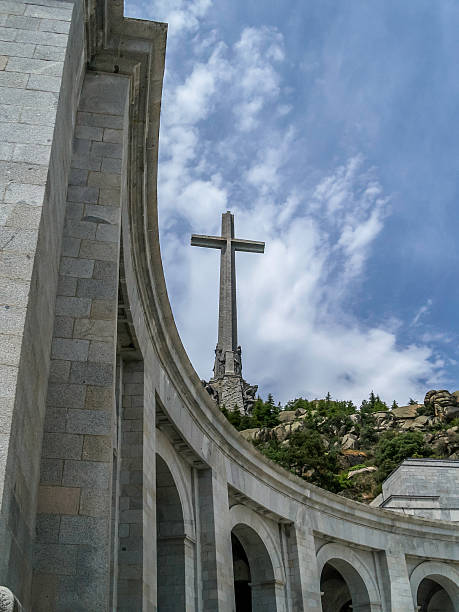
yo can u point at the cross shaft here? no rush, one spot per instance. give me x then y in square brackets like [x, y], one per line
[228, 245]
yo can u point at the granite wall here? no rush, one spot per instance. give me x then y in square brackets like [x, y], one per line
[42, 54]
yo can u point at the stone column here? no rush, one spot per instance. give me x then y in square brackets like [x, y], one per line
[302, 564]
[215, 543]
[72, 553]
[400, 589]
[269, 596]
[175, 552]
[130, 528]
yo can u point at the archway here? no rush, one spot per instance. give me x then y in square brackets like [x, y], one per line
[336, 596]
[343, 588]
[242, 577]
[170, 533]
[432, 597]
[435, 587]
[345, 582]
[254, 580]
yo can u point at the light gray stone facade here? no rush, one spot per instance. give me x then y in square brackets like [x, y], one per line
[123, 487]
[423, 487]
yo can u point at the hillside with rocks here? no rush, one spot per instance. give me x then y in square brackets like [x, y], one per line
[349, 450]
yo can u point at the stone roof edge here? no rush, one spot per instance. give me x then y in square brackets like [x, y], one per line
[424, 462]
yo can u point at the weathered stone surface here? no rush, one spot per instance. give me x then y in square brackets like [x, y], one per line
[58, 500]
[349, 441]
[280, 432]
[7, 600]
[295, 426]
[365, 470]
[250, 434]
[405, 412]
[420, 421]
[444, 403]
[287, 415]
[381, 416]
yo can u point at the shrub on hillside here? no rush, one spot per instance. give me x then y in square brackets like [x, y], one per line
[305, 455]
[393, 448]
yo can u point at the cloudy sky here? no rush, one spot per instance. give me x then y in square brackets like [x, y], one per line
[329, 128]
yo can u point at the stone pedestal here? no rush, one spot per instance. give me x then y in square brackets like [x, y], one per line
[230, 392]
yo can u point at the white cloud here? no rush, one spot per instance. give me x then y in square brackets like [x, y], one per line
[257, 81]
[192, 101]
[264, 172]
[181, 15]
[296, 337]
[423, 310]
[217, 152]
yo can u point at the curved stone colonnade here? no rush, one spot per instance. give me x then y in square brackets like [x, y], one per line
[154, 501]
[291, 533]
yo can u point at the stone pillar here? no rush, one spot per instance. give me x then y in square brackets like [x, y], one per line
[130, 528]
[149, 488]
[302, 564]
[190, 578]
[175, 552]
[215, 543]
[72, 553]
[268, 596]
[400, 589]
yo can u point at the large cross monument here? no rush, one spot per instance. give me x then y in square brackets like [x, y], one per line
[227, 383]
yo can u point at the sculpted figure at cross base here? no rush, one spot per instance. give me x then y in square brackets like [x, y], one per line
[219, 365]
[228, 359]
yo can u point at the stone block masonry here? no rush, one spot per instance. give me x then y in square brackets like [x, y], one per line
[41, 67]
[130, 524]
[423, 487]
[77, 456]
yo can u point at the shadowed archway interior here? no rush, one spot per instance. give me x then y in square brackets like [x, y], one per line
[254, 582]
[242, 577]
[342, 588]
[433, 597]
[170, 542]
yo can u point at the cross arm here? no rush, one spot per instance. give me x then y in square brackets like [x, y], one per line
[211, 242]
[250, 246]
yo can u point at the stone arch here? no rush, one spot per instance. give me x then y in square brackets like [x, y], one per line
[166, 451]
[446, 576]
[174, 547]
[264, 559]
[361, 585]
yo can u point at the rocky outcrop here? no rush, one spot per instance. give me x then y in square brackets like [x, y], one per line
[405, 412]
[444, 404]
[441, 404]
[251, 434]
[352, 442]
[349, 442]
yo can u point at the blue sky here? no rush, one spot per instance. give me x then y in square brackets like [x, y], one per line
[329, 128]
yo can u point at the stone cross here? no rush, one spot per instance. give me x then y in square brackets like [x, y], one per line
[227, 351]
